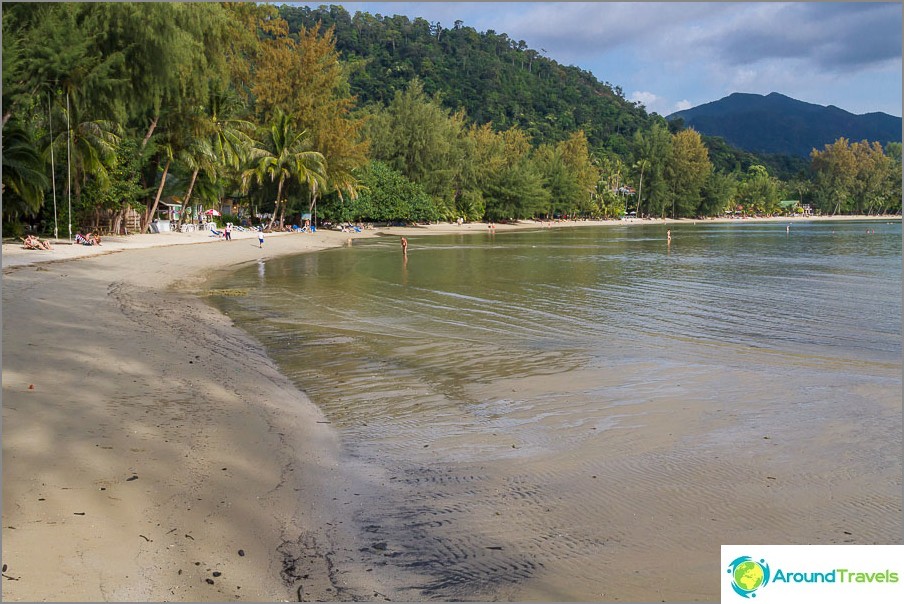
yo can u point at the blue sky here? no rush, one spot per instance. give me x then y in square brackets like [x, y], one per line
[671, 56]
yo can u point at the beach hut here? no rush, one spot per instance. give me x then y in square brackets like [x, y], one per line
[789, 206]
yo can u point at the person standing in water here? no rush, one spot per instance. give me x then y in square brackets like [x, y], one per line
[404, 246]
[668, 235]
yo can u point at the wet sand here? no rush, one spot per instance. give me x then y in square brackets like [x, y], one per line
[152, 451]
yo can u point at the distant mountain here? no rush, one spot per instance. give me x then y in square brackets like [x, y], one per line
[779, 124]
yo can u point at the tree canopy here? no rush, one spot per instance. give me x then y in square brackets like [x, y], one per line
[250, 107]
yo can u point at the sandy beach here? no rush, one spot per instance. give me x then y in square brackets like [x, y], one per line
[151, 450]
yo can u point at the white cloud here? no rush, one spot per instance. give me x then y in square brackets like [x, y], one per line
[645, 98]
[682, 105]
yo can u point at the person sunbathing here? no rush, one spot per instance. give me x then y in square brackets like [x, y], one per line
[90, 239]
[34, 243]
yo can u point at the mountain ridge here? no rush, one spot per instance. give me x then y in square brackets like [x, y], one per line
[779, 124]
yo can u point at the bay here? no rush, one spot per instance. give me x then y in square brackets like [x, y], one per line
[588, 413]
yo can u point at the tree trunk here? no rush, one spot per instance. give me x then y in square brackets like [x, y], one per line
[639, 191]
[150, 132]
[191, 187]
[146, 220]
[276, 206]
[282, 214]
[115, 226]
[313, 209]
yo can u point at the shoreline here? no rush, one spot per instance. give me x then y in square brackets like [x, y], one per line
[158, 439]
[152, 451]
[15, 255]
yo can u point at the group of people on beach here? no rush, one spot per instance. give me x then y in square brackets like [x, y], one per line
[33, 242]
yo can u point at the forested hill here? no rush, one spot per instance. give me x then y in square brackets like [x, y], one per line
[491, 76]
[779, 124]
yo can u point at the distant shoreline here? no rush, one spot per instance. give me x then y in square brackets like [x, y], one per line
[15, 255]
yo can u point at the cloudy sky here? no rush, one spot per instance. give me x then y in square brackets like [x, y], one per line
[670, 56]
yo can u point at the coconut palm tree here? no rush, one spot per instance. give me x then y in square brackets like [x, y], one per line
[230, 136]
[283, 155]
[24, 171]
[641, 165]
[90, 146]
[197, 157]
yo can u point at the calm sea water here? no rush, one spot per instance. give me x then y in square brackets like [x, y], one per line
[475, 377]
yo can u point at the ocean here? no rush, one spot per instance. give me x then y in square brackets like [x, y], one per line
[587, 413]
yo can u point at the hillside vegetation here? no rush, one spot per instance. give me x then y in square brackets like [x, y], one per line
[492, 77]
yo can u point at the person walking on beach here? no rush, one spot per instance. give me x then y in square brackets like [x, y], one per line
[405, 247]
[228, 231]
[260, 237]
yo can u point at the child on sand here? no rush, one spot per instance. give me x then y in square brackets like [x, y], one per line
[260, 237]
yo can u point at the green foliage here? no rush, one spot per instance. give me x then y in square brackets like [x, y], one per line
[461, 123]
[516, 192]
[284, 155]
[856, 178]
[569, 176]
[494, 78]
[386, 196]
[717, 194]
[687, 169]
[652, 151]
[25, 173]
[417, 137]
[758, 192]
[122, 187]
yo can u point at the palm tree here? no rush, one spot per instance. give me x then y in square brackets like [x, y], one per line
[91, 145]
[641, 164]
[284, 155]
[24, 171]
[228, 134]
[197, 157]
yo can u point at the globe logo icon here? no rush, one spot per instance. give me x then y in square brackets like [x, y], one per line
[748, 575]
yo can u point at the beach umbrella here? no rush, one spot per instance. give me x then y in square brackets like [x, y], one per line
[212, 212]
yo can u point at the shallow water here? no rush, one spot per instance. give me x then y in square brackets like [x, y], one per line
[588, 413]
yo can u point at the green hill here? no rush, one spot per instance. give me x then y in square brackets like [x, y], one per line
[491, 76]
